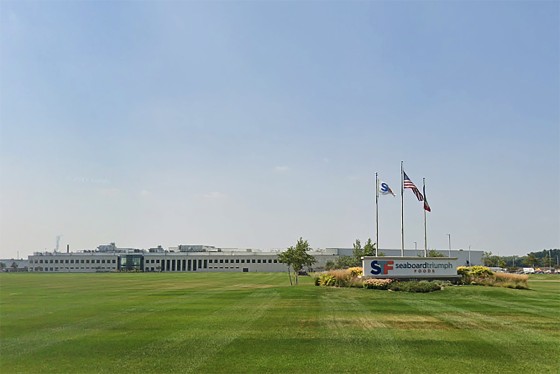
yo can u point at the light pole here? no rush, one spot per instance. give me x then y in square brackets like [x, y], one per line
[470, 255]
[449, 237]
[415, 246]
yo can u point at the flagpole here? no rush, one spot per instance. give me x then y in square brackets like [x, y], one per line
[425, 226]
[402, 211]
[376, 214]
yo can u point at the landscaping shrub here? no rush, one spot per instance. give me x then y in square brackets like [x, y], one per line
[481, 275]
[463, 270]
[377, 284]
[340, 278]
[442, 283]
[517, 281]
[415, 286]
[480, 271]
[356, 282]
[474, 274]
[356, 271]
[327, 279]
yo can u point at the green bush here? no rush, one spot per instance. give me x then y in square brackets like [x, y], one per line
[357, 271]
[415, 286]
[483, 276]
[356, 282]
[327, 279]
[340, 278]
[377, 284]
[475, 274]
[480, 271]
[442, 283]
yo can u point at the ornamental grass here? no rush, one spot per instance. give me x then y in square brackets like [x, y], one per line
[481, 275]
[518, 281]
[340, 278]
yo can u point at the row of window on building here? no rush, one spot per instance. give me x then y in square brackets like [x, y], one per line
[227, 261]
[154, 269]
[198, 264]
[54, 269]
[72, 261]
[135, 263]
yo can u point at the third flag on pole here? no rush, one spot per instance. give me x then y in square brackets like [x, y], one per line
[426, 205]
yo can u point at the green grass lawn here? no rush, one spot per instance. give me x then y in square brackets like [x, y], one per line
[256, 322]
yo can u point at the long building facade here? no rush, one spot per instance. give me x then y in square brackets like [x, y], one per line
[160, 262]
[193, 258]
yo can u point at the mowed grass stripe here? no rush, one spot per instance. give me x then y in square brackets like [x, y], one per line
[238, 323]
[495, 330]
[201, 339]
[124, 315]
[352, 322]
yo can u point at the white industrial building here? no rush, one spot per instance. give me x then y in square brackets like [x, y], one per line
[195, 258]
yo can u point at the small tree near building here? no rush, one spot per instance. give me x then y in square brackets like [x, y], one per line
[345, 262]
[296, 258]
[434, 253]
[357, 253]
[369, 248]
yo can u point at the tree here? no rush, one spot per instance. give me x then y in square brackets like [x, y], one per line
[531, 260]
[546, 257]
[488, 259]
[434, 253]
[345, 262]
[369, 248]
[357, 252]
[296, 258]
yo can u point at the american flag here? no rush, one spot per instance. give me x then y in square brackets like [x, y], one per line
[407, 183]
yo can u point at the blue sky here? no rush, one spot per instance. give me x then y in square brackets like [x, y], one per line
[250, 124]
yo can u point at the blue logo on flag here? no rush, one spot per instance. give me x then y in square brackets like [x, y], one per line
[385, 189]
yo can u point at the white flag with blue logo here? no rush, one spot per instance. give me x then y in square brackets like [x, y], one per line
[384, 189]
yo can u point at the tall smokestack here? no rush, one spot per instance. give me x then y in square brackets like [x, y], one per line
[67, 248]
